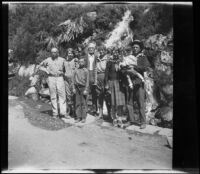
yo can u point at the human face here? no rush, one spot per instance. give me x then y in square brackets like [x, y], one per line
[76, 53]
[70, 55]
[136, 49]
[91, 50]
[101, 52]
[54, 53]
[81, 63]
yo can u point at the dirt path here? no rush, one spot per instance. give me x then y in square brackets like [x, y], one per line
[39, 142]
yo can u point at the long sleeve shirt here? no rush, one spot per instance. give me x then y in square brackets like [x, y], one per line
[92, 65]
[101, 64]
[112, 72]
[81, 77]
[54, 67]
[70, 67]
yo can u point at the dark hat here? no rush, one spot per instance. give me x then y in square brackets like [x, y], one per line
[138, 42]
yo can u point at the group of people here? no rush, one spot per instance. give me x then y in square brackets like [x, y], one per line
[114, 75]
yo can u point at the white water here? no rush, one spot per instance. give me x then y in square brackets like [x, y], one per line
[120, 28]
[26, 71]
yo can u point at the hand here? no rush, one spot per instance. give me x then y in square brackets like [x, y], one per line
[106, 87]
[85, 92]
[131, 86]
[74, 91]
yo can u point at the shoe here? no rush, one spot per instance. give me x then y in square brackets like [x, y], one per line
[78, 120]
[125, 125]
[115, 123]
[67, 116]
[55, 116]
[83, 121]
[143, 126]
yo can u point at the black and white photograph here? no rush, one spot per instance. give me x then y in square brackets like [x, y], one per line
[90, 86]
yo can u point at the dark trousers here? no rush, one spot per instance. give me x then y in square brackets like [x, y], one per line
[93, 91]
[80, 103]
[138, 95]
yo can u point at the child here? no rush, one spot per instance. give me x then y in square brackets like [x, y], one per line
[128, 63]
[80, 86]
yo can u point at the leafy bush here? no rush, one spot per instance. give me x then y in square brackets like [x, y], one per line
[18, 85]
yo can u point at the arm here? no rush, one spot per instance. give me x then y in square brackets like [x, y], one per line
[73, 82]
[95, 74]
[106, 73]
[87, 82]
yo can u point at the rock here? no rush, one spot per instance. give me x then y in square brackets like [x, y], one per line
[12, 97]
[70, 121]
[166, 132]
[18, 107]
[170, 141]
[165, 114]
[89, 119]
[106, 124]
[148, 130]
[168, 89]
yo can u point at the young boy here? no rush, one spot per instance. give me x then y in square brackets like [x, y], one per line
[80, 86]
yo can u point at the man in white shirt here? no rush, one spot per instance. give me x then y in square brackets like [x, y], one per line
[91, 65]
[54, 66]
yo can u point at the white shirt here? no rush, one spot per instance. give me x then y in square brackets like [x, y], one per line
[55, 66]
[91, 61]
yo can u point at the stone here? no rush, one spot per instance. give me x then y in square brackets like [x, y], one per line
[70, 121]
[18, 107]
[89, 119]
[170, 141]
[12, 97]
[148, 130]
[106, 124]
[166, 132]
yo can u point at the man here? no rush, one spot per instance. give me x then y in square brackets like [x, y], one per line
[137, 91]
[54, 67]
[80, 85]
[91, 65]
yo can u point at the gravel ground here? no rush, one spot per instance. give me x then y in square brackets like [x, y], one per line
[38, 141]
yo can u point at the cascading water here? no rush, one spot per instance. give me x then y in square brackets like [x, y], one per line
[121, 28]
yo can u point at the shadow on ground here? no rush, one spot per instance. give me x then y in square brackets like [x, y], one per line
[40, 115]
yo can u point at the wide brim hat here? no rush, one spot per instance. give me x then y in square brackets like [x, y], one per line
[91, 45]
[138, 42]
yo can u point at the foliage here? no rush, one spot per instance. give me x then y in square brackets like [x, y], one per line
[18, 85]
[35, 28]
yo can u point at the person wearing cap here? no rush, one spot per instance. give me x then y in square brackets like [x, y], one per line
[54, 67]
[91, 65]
[137, 91]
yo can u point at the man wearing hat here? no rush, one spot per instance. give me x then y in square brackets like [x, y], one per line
[137, 92]
[91, 65]
[54, 67]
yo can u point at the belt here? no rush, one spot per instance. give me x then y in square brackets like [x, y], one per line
[100, 72]
[50, 75]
